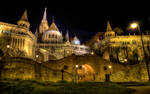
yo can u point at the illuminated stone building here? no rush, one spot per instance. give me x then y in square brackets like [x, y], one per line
[17, 40]
[48, 43]
[51, 43]
[123, 47]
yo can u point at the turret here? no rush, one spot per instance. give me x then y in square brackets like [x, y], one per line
[23, 22]
[109, 32]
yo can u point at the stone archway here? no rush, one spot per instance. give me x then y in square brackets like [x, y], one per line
[86, 73]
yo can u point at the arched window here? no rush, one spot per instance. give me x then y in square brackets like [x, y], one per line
[52, 36]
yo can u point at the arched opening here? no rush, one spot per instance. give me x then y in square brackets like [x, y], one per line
[85, 73]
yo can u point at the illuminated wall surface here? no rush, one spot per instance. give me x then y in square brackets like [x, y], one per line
[17, 41]
[124, 47]
[46, 44]
[90, 68]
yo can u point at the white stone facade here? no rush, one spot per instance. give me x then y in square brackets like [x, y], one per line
[124, 46]
[17, 40]
[47, 44]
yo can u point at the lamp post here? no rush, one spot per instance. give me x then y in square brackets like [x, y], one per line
[37, 57]
[76, 73]
[136, 26]
[8, 46]
[110, 67]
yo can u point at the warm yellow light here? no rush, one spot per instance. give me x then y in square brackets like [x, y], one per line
[77, 66]
[92, 53]
[37, 56]
[83, 66]
[8, 46]
[110, 66]
[134, 25]
[125, 60]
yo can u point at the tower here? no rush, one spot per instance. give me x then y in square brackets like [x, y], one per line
[23, 22]
[108, 27]
[44, 23]
[109, 32]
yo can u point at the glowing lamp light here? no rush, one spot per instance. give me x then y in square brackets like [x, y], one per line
[134, 25]
[8, 46]
[125, 60]
[109, 66]
[92, 53]
[67, 52]
[37, 56]
[77, 66]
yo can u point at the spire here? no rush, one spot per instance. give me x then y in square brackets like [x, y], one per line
[24, 16]
[108, 27]
[45, 14]
[36, 33]
[53, 19]
[67, 36]
[44, 23]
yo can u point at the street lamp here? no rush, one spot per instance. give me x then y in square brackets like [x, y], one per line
[37, 57]
[8, 46]
[135, 25]
[76, 74]
[92, 53]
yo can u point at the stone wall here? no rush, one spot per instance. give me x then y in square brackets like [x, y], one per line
[117, 72]
[27, 69]
[96, 70]
[132, 73]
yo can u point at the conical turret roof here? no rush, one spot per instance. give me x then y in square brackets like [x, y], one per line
[24, 16]
[108, 27]
[67, 35]
[53, 26]
[45, 14]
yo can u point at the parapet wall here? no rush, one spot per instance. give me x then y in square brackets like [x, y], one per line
[27, 69]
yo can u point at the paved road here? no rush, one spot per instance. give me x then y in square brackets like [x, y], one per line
[141, 89]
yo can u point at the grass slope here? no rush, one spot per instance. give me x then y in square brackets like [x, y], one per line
[35, 87]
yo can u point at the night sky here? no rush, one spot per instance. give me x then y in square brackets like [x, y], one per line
[83, 19]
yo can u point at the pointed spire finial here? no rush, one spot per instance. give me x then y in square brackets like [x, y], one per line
[45, 14]
[108, 27]
[67, 36]
[36, 32]
[25, 16]
[53, 19]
